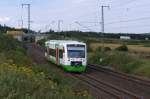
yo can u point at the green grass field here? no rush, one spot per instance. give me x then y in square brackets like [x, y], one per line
[132, 48]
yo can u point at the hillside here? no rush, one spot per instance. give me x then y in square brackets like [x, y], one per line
[21, 78]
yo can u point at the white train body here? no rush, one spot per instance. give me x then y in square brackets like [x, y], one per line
[71, 55]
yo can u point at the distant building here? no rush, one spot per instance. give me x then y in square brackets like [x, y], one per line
[16, 34]
[125, 37]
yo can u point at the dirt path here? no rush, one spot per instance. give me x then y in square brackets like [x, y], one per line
[37, 54]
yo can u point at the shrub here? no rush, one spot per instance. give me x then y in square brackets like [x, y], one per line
[94, 58]
[143, 70]
[119, 60]
[89, 49]
[107, 49]
[24, 83]
[8, 43]
[20, 79]
[41, 42]
[146, 45]
[122, 61]
[99, 49]
[97, 57]
[18, 58]
[131, 66]
[122, 48]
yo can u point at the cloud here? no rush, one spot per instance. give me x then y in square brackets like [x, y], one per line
[4, 20]
[78, 1]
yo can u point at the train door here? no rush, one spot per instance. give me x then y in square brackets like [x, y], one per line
[57, 56]
[47, 53]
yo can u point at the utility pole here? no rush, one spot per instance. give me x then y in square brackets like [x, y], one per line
[29, 17]
[59, 25]
[22, 23]
[103, 30]
[103, 23]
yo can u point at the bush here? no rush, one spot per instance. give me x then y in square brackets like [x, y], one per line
[89, 49]
[122, 61]
[24, 83]
[94, 58]
[143, 70]
[8, 43]
[20, 79]
[41, 42]
[119, 60]
[146, 45]
[99, 49]
[107, 49]
[122, 48]
[18, 58]
[97, 57]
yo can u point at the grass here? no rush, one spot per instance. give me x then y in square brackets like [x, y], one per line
[146, 45]
[129, 62]
[132, 48]
[35, 83]
[143, 70]
[122, 61]
[20, 79]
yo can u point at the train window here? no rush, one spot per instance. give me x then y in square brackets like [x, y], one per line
[60, 53]
[53, 52]
[76, 51]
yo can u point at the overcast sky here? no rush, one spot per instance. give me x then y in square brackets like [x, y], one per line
[123, 15]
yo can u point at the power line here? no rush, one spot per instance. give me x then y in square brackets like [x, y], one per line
[88, 22]
[140, 6]
[124, 21]
[139, 26]
[124, 4]
[83, 26]
[130, 20]
[29, 17]
[22, 23]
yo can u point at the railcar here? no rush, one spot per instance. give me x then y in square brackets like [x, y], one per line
[70, 55]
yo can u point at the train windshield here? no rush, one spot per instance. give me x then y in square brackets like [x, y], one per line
[76, 51]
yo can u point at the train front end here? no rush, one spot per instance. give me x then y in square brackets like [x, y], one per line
[76, 57]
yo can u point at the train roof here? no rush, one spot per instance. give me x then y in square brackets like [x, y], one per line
[64, 42]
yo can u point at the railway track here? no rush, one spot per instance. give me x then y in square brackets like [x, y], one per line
[120, 75]
[132, 84]
[94, 86]
[113, 92]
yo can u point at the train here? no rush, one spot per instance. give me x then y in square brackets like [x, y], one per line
[68, 54]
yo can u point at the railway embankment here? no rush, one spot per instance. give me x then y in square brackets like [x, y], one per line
[26, 76]
[107, 84]
[123, 61]
[131, 58]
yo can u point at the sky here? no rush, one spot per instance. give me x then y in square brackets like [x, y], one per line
[123, 16]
